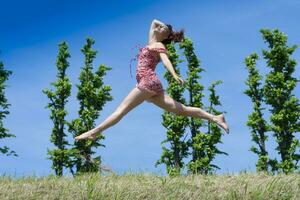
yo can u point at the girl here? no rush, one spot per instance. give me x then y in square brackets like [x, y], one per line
[149, 87]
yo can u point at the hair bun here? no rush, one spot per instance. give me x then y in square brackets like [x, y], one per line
[178, 36]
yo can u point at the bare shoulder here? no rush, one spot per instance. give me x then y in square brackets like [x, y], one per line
[159, 45]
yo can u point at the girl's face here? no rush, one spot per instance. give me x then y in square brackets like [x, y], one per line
[162, 31]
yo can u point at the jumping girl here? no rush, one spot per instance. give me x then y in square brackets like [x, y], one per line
[149, 87]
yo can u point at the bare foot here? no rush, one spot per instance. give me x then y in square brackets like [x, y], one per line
[220, 120]
[87, 135]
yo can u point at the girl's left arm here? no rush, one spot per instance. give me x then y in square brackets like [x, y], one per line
[167, 63]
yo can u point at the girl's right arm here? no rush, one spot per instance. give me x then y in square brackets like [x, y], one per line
[154, 24]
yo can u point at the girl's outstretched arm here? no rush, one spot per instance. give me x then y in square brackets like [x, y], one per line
[167, 63]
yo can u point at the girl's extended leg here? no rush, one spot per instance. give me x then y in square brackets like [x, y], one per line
[133, 99]
[167, 103]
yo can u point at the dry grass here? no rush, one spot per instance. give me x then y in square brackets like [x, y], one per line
[149, 186]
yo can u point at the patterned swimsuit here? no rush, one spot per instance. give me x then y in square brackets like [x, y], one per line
[146, 77]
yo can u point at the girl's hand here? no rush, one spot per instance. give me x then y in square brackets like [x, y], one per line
[179, 80]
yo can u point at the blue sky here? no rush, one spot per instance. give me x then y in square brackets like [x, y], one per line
[223, 32]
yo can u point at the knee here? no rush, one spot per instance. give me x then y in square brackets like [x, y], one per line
[180, 110]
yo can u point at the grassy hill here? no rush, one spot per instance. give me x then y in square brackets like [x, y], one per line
[150, 186]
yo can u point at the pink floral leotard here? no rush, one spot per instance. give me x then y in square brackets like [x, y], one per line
[147, 80]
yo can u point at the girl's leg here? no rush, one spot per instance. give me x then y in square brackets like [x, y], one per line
[167, 103]
[133, 99]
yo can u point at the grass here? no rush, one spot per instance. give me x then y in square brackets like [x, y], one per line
[149, 186]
